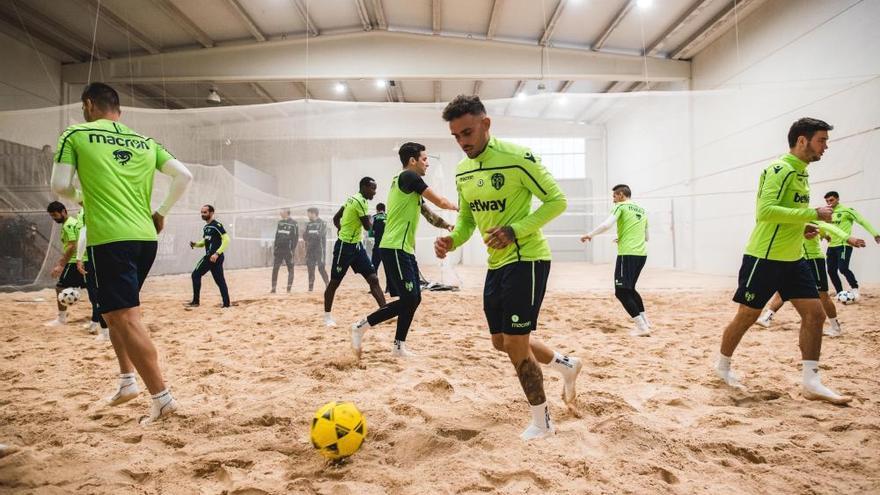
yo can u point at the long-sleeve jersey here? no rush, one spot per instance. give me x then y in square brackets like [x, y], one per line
[495, 189]
[315, 236]
[286, 235]
[214, 238]
[813, 247]
[782, 211]
[844, 217]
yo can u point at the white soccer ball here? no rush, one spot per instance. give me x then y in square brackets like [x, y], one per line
[846, 297]
[68, 296]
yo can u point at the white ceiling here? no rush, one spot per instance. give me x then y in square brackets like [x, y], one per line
[65, 29]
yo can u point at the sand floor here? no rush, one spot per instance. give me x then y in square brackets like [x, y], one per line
[651, 418]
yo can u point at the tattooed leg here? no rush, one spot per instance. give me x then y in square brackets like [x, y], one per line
[527, 368]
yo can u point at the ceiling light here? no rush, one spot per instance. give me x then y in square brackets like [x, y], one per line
[380, 83]
[644, 4]
[521, 95]
[213, 97]
[562, 100]
[339, 87]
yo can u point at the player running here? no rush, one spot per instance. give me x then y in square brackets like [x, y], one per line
[405, 204]
[496, 183]
[65, 269]
[839, 252]
[632, 253]
[116, 166]
[349, 249]
[773, 261]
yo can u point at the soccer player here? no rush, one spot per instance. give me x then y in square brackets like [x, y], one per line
[632, 253]
[839, 253]
[405, 204]
[65, 268]
[84, 267]
[349, 250]
[215, 240]
[773, 261]
[315, 237]
[496, 183]
[286, 239]
[376, 233]
[116, 166]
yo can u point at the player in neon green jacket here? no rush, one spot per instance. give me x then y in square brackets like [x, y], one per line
[839, 252]
[496, 184]
[632, 254]
[773, 261]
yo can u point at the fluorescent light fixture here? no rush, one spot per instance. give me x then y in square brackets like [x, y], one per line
[380, 83]
[521, 95]
[340, 88]
[644, 4]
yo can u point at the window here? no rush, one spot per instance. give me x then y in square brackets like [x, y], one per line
[563, 157]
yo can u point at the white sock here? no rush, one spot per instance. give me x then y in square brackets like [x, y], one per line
[768, 314]
[541, 416]
[645, 317]
[126, 380]
[561, 363]
[834, 324]
[811, 373]
[162, 398]
[640, 322]
[62, 316]
[855, 292]
[723, 362]
[328, 316]
[363, 323]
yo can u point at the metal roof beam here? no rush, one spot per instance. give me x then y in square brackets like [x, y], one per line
[246, 19]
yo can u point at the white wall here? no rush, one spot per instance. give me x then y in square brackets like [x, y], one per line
[24, 83]
[795, 58]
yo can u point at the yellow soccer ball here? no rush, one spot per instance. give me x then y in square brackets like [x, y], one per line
[338, 430]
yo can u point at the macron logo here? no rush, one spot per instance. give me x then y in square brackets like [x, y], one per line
[490, 205]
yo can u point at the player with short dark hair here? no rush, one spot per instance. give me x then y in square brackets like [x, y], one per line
[65, 268]
[351, 220]
[405, 204]
[284, 249]
[839, 252]
[632, 254]
[116, 166]
[315, 237]
[773, 260]
[496, 184]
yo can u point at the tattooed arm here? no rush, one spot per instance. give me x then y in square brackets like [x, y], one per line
[434, 219]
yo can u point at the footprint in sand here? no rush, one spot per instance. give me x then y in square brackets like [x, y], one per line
[757, 398]
[437, 387]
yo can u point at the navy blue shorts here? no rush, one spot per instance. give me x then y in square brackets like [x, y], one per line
[401, 272]
[347, 255]
[760, 278]
[120, 271]
[513, 295]
[71, 277]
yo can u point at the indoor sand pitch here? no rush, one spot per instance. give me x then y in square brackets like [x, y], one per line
[653, 418]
